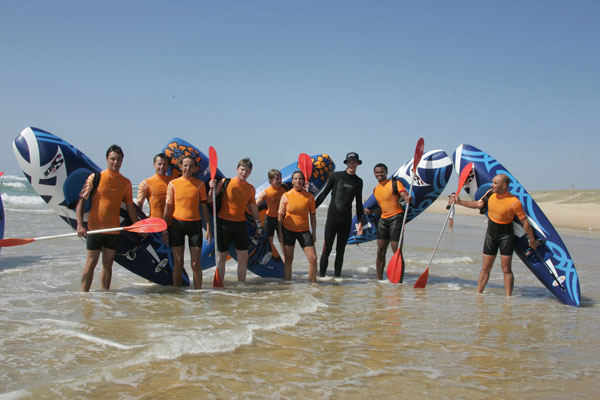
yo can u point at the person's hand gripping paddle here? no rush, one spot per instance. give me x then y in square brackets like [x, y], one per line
[212, 160]
[422, 281]
[395, 270]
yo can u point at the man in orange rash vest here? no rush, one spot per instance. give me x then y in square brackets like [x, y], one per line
[186, 197]
[112, 190]
[154, 189]
[231, 220]
[503, 206]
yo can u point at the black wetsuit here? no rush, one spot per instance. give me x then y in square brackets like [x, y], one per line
[344, 188]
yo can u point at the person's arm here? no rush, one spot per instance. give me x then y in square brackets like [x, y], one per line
[529, 231]
[359, 208]
[86, 191]
[204, 209]
[325, 191]
[255, 214]
[214, 186]
[281, 216]
[477, 204]
[141, 194]
[81, 231]
[313, 224]
[132, 212]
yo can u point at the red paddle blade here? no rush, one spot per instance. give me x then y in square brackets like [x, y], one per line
[148, 225]
[14, 242]
[217, 281]
[212, 160]
[463, 177]
[395, 270]
[305, 165]
[422, 281]
[418, 153]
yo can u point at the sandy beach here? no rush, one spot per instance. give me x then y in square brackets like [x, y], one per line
[572, 209]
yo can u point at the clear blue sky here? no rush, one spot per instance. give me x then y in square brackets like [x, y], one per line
[271, 79]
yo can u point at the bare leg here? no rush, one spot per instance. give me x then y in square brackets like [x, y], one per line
[311, 256]
[242, 256]
[382, 246]
[484, 274]
[288, 252]
[108, 257]
[88, 271]
[221, 259]
[177, 265]
[196, 254]
[509, 278]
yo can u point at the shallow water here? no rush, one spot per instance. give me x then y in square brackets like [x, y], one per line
[347, 338]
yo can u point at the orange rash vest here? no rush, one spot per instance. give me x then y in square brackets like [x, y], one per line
[503, 208]
[271, 196]
[387, 200]
[155, 190]
[186, 194]
[237, 197]
[296, 206]
[113, 189]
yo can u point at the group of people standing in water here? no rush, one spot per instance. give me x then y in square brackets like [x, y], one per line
[291, 215]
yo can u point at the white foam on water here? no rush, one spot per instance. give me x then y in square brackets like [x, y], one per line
[13, 178]
[22, 200]
[14, 395]
[92, 339]
[442, 260]
[16, 185]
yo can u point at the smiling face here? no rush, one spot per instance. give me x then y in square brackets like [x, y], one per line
[380, 174]
[298, 181]
[114, 161]
[160, 166]
[188, 167]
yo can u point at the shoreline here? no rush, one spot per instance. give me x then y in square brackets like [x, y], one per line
[578, 216]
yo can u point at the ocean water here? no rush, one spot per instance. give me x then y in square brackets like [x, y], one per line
[343, 338]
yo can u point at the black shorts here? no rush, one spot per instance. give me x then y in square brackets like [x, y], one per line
[97, 241]
[179, 229]
[304, 238]
[499, 236]
[389, 228]
[271, 225]
[232, 231]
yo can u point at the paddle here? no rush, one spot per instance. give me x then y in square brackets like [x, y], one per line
[212, 159]
[422, 281]
[395, 272]
[148, 225]
[305, 164]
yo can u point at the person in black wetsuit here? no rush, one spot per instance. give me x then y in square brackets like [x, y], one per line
[345, 186]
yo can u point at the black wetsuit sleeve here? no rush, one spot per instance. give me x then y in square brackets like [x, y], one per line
[323, 195]
[359, 202]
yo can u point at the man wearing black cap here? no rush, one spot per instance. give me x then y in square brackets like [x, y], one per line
[344, 186]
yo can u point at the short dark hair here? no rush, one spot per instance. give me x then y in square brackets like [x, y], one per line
[116, 149]
[182, 159]
[161, 155]
[299, 172]
[381, 165]
[273, 173]
[245, 162]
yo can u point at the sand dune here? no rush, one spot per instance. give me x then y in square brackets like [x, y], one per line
[574, 209]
